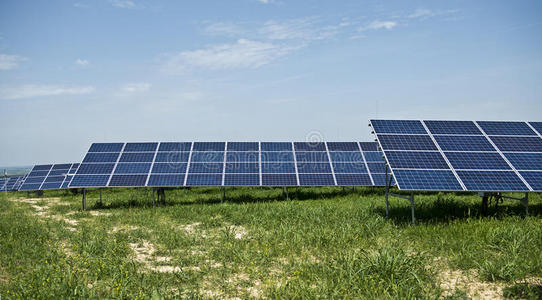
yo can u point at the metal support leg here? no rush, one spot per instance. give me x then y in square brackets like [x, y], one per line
[387, 193]
[222, 194]
[525, 202]
[84, 204]
[285, 192]
[412, 207]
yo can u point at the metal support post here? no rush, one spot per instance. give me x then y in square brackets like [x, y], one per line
[222, 194]
[412, 207]
[84, 204]
[285, 193]
[387, 193]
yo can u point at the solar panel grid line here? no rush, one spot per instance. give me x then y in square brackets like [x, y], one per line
[152, 164]
[188, 163]
[365, 163]
[116, 163]
[444, 156]
[224, 163]
[388, 168]
[260, 162]
[295, 165]
[330, 163]
[66, 177]
[46, 177]
[536, 127]
[503, 156]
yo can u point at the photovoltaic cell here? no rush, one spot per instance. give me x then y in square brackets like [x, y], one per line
[525, 161]
[346, 156]
[353, 179]
[132, 168]
[140, 147]
[374, 156]
[241, 179]
[172, 157]
[476, 161]
[242, 168]
[209, 146]
[279, 179]
[243, 146]
[313, 168]
[306, 146]
[534, 179]
[316, 179]
[369, 146]
[163, 180]
[136, 157]
[89, 181]
[398, 126]
[174, 147]
[248, 156]
[463, 143]
[342, 146]
[537, 126]
[491, 181]
[427, 180]
[170, 168]
[204, 180]
[277, 167]
[128, 180]
[311, 157]
[349, 168]
[452, 127]
[277, 156]
[106, 147]
[517, 144]
[101, 157]
[207, 156]
[407, 142]
[416, 160]
[276, 146]
[505, 128]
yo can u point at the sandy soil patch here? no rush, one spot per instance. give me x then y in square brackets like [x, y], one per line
[450, 280]
[144, 254]
[99, 213]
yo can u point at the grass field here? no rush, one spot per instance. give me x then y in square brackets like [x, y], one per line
[322, 243]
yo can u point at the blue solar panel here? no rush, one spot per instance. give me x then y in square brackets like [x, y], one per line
[276, 146]
[380, 179]
[243, 156]
[277, 167]
[30, 187]
[279, 179]
[311, 157]
[172, 157]
[61, 166]
[491, 181]
[369, 146]
[206, 167]
[518, 144]
[242, 168]
[209, 146]
[477, 161]
[128, 180]
[101, 157]
[463, 143]
[38, 173]
[204, 180]
[132, 168]
[452, 127]
[313, 168]
[54, 179]
[349, 167]
[51, 185]
[140, 147]
[137, 157]
[241, 179]
[505, 128]
[398, 126]
[277, 156]
[377, 167]
[353, 179]
[342, 146]
[174, 147]
[243, 146]
[534, 179]
[106, 147]
[308, 146]
[42, 168]
[35, 179]
[316, 179]
[346, 156]
[417, 160]
[58, 172]
[537, 126]
[169, 168]
[525, 161]
[166, 180]
[89, 180]
[427, 180]
[407, 142]
[374, 156]
[207, 156]
[95, 169]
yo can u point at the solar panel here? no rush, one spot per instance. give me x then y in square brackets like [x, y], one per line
[47, 177]
[162, 164]
[462, 155]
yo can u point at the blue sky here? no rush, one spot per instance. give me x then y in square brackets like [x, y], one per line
[76, 72]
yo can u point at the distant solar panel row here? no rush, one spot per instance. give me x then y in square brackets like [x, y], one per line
[48, 177]
[11, 183]
[462, 155]
[162, 164]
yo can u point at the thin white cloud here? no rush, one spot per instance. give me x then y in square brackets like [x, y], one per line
[8, 62]
[82, 62]
[266, 1]
[242, 54]
[375, 25]
[123, 4]
[136, 87]
[424, 13]
[40, 90]
[225, 29]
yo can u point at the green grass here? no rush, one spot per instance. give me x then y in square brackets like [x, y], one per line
[323, 243]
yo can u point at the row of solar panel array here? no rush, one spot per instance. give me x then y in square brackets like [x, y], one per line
[209, 163]
[461, 155]
[496, 128]
[11, 183]
[47, 177]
